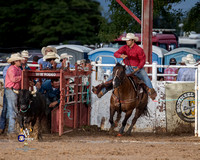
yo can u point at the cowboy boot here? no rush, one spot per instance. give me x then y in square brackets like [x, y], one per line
[152, 93]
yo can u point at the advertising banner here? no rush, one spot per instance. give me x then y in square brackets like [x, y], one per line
[180, 107]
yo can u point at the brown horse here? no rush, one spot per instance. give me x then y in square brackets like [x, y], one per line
[126, 98]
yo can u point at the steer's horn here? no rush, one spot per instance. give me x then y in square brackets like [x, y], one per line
[33, 92]
[16, 91]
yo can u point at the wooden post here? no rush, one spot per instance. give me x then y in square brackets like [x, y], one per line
[62, 103]
[147, 25]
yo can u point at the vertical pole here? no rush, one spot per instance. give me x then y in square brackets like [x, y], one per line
[196, 102]
[24, 82]
[154, 75]
[62, 103]
[76, 96]
[147, 25]
[198, 110]
[81, 102]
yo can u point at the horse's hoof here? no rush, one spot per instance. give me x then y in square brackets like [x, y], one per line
[119, 135]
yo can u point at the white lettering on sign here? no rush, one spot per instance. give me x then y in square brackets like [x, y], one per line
[46, 74]
[50, 74]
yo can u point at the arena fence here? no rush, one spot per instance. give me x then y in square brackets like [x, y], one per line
[176, 105]
[81, 107]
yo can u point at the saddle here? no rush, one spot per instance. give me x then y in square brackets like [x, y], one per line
[138, 85]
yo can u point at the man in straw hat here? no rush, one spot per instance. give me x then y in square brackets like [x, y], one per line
[65, 60]
[134, 58]
[50, 57]
[13, 82]
[42, 63]
[25, 55]
[187, 74]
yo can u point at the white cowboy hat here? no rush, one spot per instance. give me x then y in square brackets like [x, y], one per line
[183, 60]
[65, 55]
[15, 57]
[130, 36]
[48, 47]
[50, 55]
[190, 60]
[25, 54]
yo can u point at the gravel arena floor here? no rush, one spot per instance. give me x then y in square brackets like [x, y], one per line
[90, 143]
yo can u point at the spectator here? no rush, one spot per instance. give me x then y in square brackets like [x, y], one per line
[171, 70]
[25, 55]
[42, 63]
[35, 61]
[4, 110]
[13, 82]
[50, 57]
[65, 60]
[187, 74]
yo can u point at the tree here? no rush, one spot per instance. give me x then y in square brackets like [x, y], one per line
[120, 21]
[39, 23]
[192, 21]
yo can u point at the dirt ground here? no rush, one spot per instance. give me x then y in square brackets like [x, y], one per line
[90, 143]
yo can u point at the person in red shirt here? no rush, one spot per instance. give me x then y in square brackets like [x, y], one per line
[35, 61]
[134, 59]
[13, 82]
[172, 61]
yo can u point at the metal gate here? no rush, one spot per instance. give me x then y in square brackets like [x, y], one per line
[74, 108]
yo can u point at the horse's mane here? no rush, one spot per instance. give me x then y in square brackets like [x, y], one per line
[118, 65]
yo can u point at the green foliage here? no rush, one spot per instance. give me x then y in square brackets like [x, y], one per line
[192, 21]
[120, 21]
[38, 23]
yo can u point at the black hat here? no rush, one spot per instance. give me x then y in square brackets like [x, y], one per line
[172, 61]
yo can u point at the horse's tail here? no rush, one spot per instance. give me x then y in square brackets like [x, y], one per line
[146, 112]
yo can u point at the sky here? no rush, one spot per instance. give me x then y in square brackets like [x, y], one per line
[185, 5]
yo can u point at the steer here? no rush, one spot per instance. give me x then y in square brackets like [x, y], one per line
[30, 109]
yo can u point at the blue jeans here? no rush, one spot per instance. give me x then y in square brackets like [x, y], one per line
[142, 74]
[11, 108]
[3, 113]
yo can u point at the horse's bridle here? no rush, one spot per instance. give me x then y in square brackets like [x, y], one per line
[117, 76]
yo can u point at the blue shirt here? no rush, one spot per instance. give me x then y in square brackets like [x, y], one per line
[5, 71]
[49, 91]
[45, 64]
[186, 74]
[59, 65]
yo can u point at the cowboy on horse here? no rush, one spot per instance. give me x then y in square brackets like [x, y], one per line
[134, 59]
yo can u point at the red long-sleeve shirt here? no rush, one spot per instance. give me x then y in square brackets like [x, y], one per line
[136, 56]
[13, 77]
